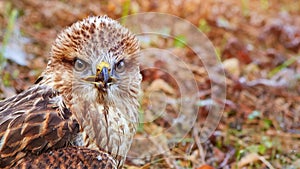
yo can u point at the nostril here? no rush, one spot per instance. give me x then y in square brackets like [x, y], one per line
[110, 80]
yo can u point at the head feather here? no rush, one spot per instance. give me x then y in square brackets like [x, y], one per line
[92, 37]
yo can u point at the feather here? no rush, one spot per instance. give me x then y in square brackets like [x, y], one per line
[32, 122]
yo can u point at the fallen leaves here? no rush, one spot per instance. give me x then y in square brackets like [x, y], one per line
[250, 159]
[258, 43]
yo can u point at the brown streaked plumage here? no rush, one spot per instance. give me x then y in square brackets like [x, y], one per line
[85, 100]
[68, 157]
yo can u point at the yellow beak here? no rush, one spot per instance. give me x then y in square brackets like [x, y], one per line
[102, 65]
[103, 77]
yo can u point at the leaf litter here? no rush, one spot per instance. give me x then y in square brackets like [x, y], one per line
[258, 42]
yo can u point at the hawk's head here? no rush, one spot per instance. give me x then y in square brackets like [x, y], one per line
[96, 58]
[93, 65]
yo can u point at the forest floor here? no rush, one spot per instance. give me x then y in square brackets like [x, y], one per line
[257, 42]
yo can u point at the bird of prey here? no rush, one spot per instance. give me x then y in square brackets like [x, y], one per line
[82, 111]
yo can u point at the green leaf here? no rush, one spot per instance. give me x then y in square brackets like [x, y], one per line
[180, 41]
[6, 79]
[282, 66]
[240, 153]
[125, 11]
[267, 123]
[257, 149]
[203, 26]
[262, 149]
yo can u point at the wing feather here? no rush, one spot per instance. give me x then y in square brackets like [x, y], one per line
[33, 122]
[69, 157]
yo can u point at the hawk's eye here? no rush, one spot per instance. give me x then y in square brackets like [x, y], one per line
[120, 66]
[80, 65]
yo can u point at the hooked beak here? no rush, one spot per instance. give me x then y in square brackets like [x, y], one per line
[102, 73]
[103, 77]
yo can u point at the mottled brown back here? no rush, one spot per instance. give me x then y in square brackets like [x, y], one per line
[32, 122]
[68, 158]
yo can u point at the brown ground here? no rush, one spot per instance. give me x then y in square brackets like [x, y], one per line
[258, 43]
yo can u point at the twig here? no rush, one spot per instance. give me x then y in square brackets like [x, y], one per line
[198, 143]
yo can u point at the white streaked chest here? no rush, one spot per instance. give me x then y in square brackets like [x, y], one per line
[107, 129]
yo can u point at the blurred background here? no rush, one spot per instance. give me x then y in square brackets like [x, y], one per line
[257, 42]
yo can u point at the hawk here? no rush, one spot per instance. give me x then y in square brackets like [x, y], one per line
[82, 111]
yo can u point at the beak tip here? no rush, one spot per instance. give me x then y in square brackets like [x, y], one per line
[105, 74]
